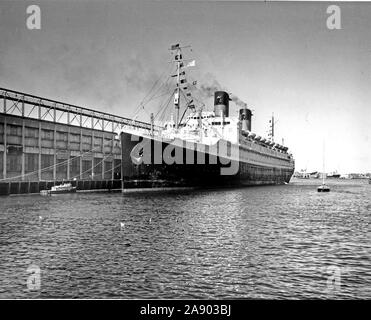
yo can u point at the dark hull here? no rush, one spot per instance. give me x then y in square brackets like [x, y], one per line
[197, 175]
[323, 189]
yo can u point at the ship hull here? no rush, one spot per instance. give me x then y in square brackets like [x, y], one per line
[334, 176]
[198, 174]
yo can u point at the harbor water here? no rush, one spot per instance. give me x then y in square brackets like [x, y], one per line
[275, 242]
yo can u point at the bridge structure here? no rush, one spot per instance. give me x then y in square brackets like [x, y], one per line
[44, 141]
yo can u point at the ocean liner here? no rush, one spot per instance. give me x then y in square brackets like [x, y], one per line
[201, 148]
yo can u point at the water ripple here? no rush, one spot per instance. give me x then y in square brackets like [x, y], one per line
[264, 242]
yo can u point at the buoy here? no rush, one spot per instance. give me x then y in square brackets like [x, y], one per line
[150, 220]
[40, 218]
[122, 225]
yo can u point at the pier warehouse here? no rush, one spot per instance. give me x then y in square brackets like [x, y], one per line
[43, 142]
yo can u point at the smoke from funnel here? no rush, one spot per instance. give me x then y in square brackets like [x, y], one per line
[209, 89]
[209, 85]
[238, 101]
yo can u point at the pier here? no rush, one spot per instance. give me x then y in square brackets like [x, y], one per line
[44, 142]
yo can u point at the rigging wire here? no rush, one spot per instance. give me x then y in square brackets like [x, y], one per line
[163, 94]
[159, 89]
[143, 103]
[166, 86]
[186, 108]
[162, 105]
[153, 94]
[90, 169]
[198, 100]
[163, 110]
[49, 167]
[56, 165]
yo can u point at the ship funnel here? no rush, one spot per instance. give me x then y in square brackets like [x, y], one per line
[245, 118]
[221, 103]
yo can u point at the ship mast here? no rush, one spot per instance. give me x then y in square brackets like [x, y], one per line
[179, 64]
[271, 133]
[178, 56]
[323, 163]
[178, 60]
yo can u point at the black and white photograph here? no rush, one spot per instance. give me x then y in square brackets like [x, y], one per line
[185, 150]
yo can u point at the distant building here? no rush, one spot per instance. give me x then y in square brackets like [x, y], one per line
[302, 174]
[358, 176]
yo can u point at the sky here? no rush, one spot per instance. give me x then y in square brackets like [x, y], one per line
[278, 57]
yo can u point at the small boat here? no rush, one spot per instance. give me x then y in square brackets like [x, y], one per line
[323, 188]
[62, 188]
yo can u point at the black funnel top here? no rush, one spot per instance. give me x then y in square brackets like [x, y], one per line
[221, 103]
